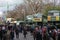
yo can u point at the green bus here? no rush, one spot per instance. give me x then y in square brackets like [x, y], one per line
[53, 17]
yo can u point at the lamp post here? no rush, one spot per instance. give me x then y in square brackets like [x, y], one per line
[7, 8]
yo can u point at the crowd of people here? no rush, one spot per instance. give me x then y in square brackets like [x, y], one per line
[8, 32]
[46, 32]
[38, 32]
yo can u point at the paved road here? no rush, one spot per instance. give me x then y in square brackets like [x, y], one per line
[29, 37]
[21, 37]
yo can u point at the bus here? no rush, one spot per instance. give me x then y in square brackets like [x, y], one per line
[53, 17]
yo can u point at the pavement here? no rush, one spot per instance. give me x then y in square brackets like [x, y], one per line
[29, 37]
[21, 37]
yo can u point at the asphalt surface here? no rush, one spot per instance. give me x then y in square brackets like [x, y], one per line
[29, 37]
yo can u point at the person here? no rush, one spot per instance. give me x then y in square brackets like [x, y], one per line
[40, 30]
[20, 29]
[45, 33]
[0, 34]
[24, 32]
[12, 34]
[38, 34]
[34, 34]
[8, 34]
[4, 32]
[58, 34]
[32, 29]
[54, 33]
[17, 31]
[49, 30]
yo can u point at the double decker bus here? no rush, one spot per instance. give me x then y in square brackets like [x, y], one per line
[54, 17]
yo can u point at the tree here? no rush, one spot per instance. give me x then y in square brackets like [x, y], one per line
[30, 7]
[34, 6]
[18, 12]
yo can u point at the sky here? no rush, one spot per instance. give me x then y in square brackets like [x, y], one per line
[9, 4]
[57, 1]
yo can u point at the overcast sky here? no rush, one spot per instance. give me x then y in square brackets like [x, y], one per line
[10, 3]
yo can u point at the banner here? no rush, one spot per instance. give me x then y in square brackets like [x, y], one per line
[57, 18]
[37, 19]
[49, 18]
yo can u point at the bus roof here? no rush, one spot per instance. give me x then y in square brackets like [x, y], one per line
[53, 11]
